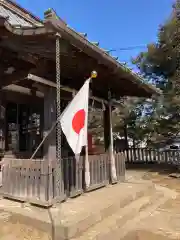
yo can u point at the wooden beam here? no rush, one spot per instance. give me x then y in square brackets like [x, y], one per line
[67, 89]
[28, 58]
[23, 90]
[64, 88]
[41, 80]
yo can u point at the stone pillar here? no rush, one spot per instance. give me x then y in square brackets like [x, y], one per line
[108, 140]
[49, 148]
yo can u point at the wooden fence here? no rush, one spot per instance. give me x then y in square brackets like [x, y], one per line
[99, 171]
[144, 155]
[43, 183]
[32, 181]
[120, 166]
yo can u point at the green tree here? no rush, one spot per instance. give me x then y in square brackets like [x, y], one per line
[160, 64]
[128, 119]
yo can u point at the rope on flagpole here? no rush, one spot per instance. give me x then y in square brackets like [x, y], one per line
[43, 140]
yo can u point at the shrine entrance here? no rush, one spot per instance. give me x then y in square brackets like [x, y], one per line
[23, 132]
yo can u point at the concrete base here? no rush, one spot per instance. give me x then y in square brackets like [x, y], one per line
[70, 219]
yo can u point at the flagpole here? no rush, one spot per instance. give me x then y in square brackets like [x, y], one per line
[87, 167]
[111, 148]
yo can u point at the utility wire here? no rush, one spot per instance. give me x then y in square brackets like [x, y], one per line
[127, 48]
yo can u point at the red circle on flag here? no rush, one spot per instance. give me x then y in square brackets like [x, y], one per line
[78, 121]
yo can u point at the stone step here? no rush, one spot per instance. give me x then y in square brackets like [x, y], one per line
[79, 215]
[141, 219]
[106, 228]
[102, 208]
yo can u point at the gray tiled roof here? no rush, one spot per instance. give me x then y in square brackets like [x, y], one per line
[13, 18]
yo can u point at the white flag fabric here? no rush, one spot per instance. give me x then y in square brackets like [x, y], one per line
[74, 119]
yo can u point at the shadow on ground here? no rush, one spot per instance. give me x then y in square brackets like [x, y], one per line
[161, 174]
[162, 169]
[145, 235]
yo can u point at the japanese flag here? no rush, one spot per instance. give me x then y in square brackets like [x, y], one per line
[74, 120]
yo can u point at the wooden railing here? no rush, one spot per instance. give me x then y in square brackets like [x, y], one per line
[73, 176]
[43, 183]
[99, 171]
[144, 155]
[120, 166]
[31, 180]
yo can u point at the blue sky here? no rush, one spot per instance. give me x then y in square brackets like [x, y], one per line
[114, 23]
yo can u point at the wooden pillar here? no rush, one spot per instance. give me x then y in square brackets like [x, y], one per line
[49, 148]
[2, 123]
[108, 140]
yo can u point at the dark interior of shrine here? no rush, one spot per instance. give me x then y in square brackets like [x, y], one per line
[23, 123]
